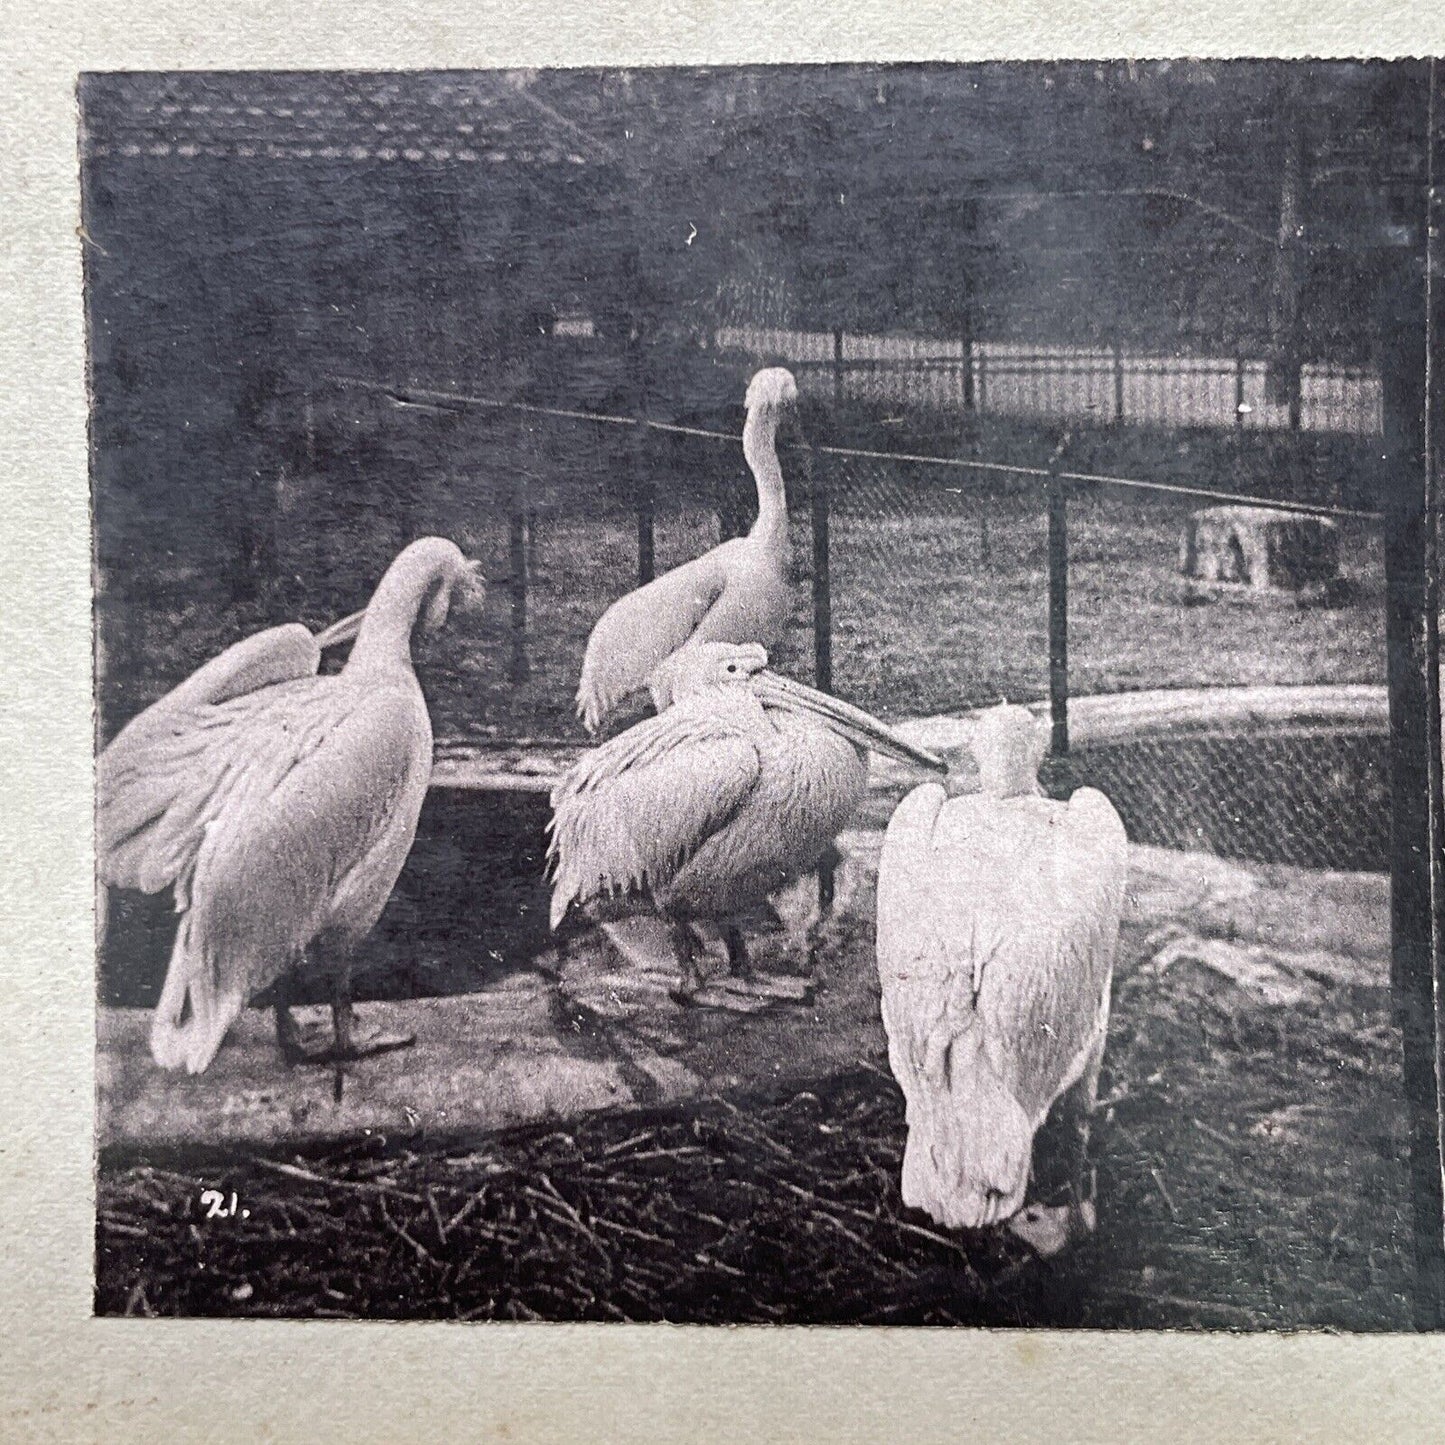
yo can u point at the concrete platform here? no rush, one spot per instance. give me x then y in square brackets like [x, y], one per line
[588, 1029]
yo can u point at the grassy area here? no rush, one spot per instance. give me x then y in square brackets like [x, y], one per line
[939, 597]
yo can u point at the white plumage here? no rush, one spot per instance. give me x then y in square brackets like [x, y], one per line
[278, 805]
[700, 813]
[736, 592]
[998, 917]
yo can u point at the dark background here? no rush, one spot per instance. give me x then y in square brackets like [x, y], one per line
[259, 242]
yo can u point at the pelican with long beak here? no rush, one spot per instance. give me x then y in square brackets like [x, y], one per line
[279, 806]
[737, 592]
[735, 789]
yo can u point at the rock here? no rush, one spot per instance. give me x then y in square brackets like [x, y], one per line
[1258, 551]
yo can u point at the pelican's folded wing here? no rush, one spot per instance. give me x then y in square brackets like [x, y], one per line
[156, 772]
[1027, 902]
[309, 823]
[630, 813]
[641, 630]
[997, 922]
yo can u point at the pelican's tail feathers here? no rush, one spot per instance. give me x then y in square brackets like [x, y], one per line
[966, 1162]
[194, 1012]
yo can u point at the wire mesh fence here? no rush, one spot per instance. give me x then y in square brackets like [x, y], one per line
[946, 566]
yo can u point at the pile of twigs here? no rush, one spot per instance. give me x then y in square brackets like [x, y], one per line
[764, 1211]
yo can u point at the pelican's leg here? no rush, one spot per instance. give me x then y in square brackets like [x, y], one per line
[764, 986]
[688, 948]
[290, 1038]
[371, 1040]
[739, 963]
[344, 1046]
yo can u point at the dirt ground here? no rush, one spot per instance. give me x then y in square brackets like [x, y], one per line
[1250, 1147]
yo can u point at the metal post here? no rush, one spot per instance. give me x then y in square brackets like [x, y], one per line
[1118, 384]
[1412, 642]
[643, 498]
[818, 506]
[970, 399]
[518, 670]
[1059, 606]
[1239, 393]
[822, 582]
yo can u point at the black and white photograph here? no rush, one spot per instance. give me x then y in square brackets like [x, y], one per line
[797, 694]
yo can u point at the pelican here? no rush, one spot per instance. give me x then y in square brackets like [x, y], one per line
[698, 814]
[737, 592]
[279, 806]
[998, 916]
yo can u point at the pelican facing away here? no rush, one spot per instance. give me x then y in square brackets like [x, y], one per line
[280, 807]
[698, 814]
[998, 916]
[737, 592]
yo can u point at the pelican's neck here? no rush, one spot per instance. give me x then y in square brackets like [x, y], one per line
[384, 642]
[1018, 783]
[760, 448]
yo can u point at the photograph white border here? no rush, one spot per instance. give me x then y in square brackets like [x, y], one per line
[67, 1376]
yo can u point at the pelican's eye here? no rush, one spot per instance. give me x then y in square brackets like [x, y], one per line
[732, 667]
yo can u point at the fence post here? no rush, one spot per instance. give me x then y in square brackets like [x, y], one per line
[981, 391]
[1412, 649]
[1118, 383]
[644, 500]
[822, 580]
[1239, 393]
[818, 505]
[518, 670]
[1059, 603]
[969, 398]
[837, 369]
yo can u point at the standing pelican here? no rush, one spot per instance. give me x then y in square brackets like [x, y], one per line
[998, 916]
[737, 592]
[280, 807]
[735, 789]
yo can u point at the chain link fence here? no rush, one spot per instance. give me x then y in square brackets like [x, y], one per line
[921, 539]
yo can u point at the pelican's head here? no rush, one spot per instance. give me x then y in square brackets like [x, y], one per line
[728, 665]
[457, 586]
[1009, 744]
[705, 665]
[772, 387]
[431, 570]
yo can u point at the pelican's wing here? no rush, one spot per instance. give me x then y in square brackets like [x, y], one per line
[163, 755]
[311, 822]
[643, 628]
[997, 924]
[159, 795]
[630, 813]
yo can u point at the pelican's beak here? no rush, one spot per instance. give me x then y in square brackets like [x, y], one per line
[341, 632]
[845, 719]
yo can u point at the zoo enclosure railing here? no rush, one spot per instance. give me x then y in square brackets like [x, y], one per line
[1113, 384]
